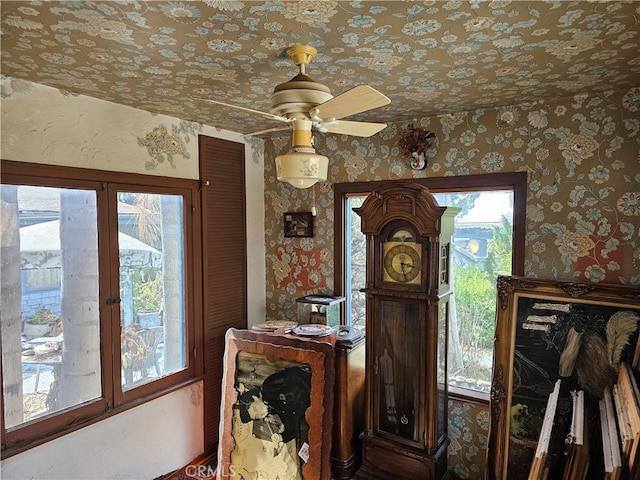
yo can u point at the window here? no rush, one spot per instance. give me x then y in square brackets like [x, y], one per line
[355, 265]
[152, 339]
[41, 279]
[97, 284]
[487, 242]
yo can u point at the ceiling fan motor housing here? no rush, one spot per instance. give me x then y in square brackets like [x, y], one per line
[298, 96]
[302, 93]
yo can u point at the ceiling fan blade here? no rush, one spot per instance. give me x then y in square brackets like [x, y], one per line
[356, 129]
[358, 99]
[268, 130]
[250, 110]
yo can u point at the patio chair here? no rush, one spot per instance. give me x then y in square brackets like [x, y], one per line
[153, 337]
[140, 352]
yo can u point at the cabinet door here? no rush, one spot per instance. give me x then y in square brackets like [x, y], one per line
[399, 370]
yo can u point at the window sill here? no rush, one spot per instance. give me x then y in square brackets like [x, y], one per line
[467, 395]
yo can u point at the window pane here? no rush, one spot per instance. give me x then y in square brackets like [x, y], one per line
[481, 250]
[50, 304]
[356, 268]
[151, 247]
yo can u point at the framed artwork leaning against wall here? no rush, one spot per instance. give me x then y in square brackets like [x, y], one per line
[274, 420]
[573, 335]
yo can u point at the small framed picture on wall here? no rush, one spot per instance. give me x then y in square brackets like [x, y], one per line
[298, 224]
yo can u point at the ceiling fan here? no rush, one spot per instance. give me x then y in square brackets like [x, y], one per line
[305, 104]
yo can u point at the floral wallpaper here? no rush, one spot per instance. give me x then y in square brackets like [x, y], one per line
[581, 154]
[468, 434]
[582, 157]
[427, 56]
[162, 145]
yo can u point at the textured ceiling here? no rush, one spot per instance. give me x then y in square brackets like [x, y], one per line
[428, 57]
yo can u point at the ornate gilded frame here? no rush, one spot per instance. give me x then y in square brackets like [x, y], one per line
[526, 358]
[269, 352]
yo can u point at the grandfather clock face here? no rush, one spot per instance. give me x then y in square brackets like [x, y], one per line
[402, 259]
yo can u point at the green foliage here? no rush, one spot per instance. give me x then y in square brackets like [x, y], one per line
[475, 290]
[475, 305]
[147, 291]
[499, 254]
[43, 316]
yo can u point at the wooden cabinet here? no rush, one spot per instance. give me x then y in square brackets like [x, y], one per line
[348, 407]
[407, 291]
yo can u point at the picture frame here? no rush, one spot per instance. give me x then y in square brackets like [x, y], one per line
[533, 321]
[298, 224]
[274, 417]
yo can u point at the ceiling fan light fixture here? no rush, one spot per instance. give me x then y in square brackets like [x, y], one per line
[302, 168]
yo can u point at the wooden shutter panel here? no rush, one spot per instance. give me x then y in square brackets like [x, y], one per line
[224, 263]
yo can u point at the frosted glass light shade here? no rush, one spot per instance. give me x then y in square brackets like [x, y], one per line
[301, 169]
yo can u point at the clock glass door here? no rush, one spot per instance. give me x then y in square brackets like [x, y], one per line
[443, 326]
[402, 259]
[398, 369]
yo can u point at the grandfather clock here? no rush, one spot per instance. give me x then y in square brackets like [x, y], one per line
[407, 292]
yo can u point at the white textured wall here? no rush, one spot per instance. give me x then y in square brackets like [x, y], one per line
[43, 125]
[139, 444]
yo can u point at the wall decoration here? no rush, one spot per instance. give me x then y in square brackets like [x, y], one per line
[274, 420]
[547, 331]
[162, 145]
[298, 224]
[414, 142]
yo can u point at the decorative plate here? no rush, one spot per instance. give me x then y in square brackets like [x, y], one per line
[273, 325]
[312, 330]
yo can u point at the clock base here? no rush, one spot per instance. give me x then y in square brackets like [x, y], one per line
[386, 460]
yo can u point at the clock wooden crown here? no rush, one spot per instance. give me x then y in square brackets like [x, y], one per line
[410, 209]
[401, 201]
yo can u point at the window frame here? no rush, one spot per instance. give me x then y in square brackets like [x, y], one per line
[114, 398]
[514, 181]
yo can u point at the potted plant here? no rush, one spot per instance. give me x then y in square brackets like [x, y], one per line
[40, 323]
[414, 142]
[147, 300]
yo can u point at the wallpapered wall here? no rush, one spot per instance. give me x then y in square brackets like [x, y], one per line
[581, 154]
[583, 202]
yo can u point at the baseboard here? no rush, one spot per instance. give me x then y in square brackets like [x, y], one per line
[202, 467]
